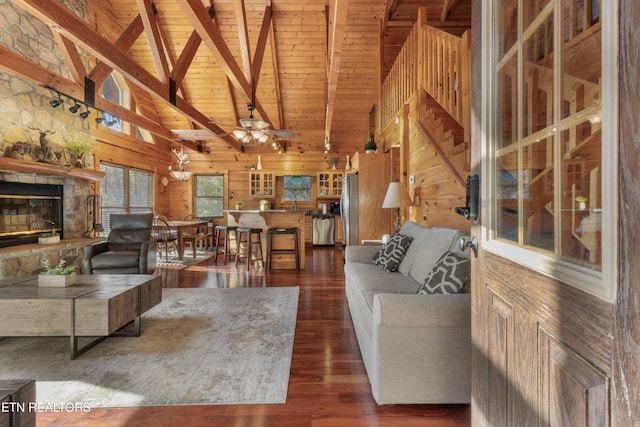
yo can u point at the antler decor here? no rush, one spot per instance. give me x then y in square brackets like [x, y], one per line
[181, 175]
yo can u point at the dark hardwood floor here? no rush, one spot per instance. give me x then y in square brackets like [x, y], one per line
[328, 385]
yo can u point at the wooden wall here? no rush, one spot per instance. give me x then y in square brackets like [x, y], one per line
[414, 155]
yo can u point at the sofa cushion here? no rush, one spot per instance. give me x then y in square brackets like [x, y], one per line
[391, 254]
[425, 250]
[449, 276]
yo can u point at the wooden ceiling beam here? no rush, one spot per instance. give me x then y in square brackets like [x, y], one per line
[212, 37]
[446, 8]
[18, 64]
[243, 37]
[276, 73]
[100, 72]
[74, 28]
[71, 56]
[149, 15]
[258, 56]
[336, 39]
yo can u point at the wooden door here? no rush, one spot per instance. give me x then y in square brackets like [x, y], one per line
[543, 351]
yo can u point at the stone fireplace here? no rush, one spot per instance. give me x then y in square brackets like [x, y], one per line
[77, 184]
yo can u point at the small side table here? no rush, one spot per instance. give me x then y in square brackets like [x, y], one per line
[17, 395]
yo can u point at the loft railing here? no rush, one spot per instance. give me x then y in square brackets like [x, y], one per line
[433, 60]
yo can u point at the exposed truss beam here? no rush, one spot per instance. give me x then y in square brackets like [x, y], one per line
[243, 37]
[446, 8]
[74, 28]
[337, 25]
[212, 37]
[71, 56]
[149, 14]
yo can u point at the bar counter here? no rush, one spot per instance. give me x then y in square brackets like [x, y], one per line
[273, 218]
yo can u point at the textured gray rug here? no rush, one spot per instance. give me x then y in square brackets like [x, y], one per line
[199, 346]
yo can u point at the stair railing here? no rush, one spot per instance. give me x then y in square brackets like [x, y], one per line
[436, 61]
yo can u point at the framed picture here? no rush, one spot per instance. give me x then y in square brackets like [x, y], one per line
[296, 188]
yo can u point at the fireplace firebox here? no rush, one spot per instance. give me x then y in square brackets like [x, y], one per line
[27, 210]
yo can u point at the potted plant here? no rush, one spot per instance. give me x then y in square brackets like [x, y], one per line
[79, 144]
[60, 276]
[263, 204]
[238, 204]
[370, 146]
[582, 202]
[48, 238]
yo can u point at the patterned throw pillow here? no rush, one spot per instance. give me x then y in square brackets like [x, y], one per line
[390, 255]
[448, 276]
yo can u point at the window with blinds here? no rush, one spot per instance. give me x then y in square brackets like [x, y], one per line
[124, 190]
[208, 195]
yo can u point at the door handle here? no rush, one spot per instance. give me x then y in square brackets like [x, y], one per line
[466, 242]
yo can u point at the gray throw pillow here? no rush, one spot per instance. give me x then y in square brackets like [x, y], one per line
[448, 276]
[390, 255]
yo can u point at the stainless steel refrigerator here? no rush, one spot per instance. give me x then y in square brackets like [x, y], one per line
[349, 210]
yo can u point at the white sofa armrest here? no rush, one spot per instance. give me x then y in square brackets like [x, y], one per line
[421, 348]
[411, 310]
[361, 254]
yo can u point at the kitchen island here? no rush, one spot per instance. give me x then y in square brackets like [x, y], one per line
[273, 218]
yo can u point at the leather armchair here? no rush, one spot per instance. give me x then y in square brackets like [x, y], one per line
[129, 248]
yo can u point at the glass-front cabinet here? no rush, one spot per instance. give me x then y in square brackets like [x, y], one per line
[548, 118]
[261, 184]
[330, 184]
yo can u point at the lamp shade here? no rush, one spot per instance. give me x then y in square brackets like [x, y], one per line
[397, 196]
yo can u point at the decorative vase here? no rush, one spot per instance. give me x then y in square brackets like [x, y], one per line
[259, 167]
[347, 165]
[56, 280]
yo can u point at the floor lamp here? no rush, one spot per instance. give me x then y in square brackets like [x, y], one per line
[397, 197]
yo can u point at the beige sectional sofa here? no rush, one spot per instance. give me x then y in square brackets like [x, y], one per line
[416, 348]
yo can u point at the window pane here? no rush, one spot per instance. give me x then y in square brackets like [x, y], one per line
[140, 189]
[548, 151]
[507, 25]
[112, 186]
[507, 196]
[537, 103]
[209, 191]
[507, 95]
[538, 194]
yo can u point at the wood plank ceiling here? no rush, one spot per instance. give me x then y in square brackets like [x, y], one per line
[314, 64]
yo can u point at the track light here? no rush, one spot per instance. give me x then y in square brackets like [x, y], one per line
[56, 102]
[75, 107]
[112, 122]
[100, 119]
[85, 114]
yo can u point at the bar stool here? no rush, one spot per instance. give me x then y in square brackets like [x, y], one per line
[245, 235]
[227, 230]
[282, 231]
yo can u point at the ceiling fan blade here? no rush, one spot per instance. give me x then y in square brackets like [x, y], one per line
[281, 133]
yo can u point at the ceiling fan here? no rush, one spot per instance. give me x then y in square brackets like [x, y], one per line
[254, 130]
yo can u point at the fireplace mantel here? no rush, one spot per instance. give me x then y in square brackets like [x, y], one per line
[7, 163]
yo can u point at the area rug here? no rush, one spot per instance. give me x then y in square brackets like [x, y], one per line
[199, 346]
[187, 260]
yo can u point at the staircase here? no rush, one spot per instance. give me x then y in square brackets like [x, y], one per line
[446, 135]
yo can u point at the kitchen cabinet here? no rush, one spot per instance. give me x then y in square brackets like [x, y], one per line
[338, 229]
[330, 184]
[262, 184]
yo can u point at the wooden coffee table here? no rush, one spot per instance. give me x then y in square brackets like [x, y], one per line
[97, 306]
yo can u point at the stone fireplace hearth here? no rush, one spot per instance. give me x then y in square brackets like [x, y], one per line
[78, 184]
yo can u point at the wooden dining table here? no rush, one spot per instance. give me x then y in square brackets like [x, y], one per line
[180, 227]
